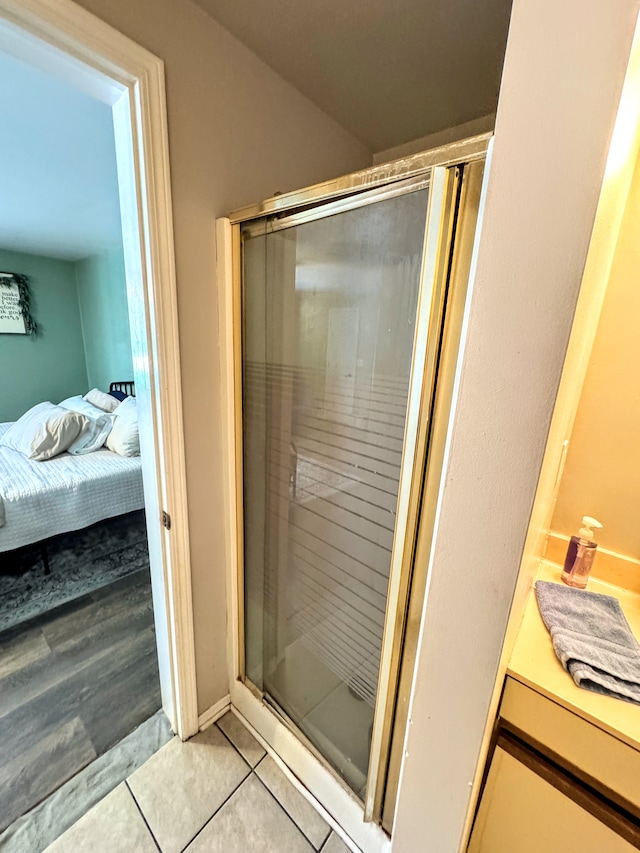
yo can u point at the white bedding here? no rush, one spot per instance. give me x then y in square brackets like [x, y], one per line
[42, 499]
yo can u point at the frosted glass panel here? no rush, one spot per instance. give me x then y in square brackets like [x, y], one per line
[329, 312]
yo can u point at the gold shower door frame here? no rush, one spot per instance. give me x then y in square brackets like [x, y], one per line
[454, 176]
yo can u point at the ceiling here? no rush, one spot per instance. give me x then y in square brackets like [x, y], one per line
[389, 72]
[58, 180]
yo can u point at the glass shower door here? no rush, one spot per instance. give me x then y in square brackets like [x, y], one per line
[329, 305]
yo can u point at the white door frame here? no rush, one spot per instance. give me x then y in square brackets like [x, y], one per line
[72, 44]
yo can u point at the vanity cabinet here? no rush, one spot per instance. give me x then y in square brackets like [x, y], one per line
[556, 783]
[522, 811]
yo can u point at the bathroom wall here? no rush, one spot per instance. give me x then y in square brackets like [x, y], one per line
[561, 85]
[602, 471]
[50, 366]
[102, 296]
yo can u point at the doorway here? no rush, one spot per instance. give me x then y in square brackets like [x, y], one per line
[70, 44]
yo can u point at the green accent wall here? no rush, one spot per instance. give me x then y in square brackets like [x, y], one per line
[52, 365]
[102, 296]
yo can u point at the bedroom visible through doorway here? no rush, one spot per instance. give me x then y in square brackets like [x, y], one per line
[78, 659]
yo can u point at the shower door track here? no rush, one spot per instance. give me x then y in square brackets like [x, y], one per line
[435, 344]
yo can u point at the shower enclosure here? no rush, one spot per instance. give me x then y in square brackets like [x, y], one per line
[346, 305]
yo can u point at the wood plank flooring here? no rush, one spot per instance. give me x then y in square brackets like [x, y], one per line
[72, 684]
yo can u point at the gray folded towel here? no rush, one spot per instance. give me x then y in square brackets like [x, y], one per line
[592, 639]
[3, 517]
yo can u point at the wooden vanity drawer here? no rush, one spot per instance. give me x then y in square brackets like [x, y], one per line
[527, 807]
[594, 756]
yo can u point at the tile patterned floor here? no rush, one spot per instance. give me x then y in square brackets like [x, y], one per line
[217, 793]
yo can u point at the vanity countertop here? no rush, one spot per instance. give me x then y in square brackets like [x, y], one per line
[534, 663]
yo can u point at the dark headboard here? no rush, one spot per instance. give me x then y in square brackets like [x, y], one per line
[126, 387]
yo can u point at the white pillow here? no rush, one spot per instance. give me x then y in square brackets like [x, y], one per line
[103, 401]
[44, 431]
[124, 438]
[99, 425]
[79, 404]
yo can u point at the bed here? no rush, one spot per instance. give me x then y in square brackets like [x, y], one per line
[39, 500]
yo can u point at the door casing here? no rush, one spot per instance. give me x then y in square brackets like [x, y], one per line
[64, 39]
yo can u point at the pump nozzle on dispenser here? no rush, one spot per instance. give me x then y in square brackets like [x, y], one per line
[586, 531]
[580, 554]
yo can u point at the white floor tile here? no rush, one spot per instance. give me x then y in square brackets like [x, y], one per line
[251, 821]
[241, 738]
[114, 825]
[183, 784]
[335, 845]
[296, 806]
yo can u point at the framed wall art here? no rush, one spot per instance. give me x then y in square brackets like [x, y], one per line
[15, 311]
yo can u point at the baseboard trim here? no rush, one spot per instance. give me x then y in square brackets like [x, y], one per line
[214, 713]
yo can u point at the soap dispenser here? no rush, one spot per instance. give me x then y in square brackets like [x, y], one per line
[580, 554]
